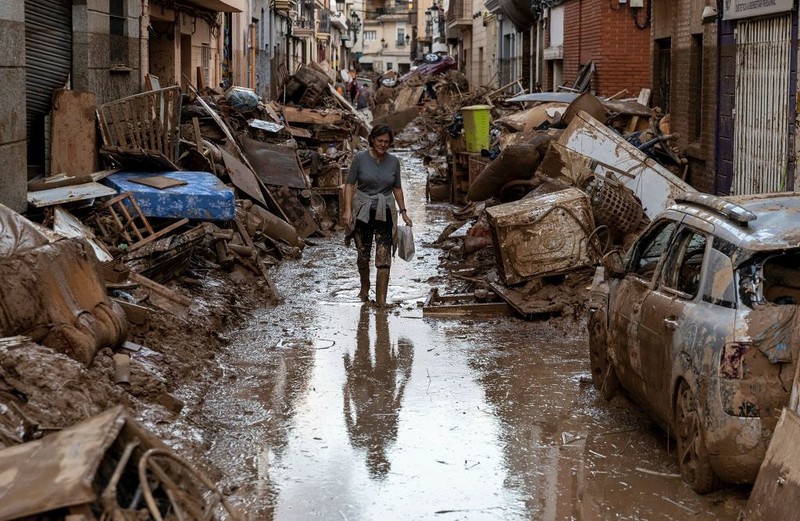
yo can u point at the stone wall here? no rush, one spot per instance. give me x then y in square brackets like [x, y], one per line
[13, 146]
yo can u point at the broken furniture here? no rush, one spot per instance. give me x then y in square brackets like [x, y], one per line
[464, 304]
[129, 222]
[107, 467]
[203, 196]
[654, 185]
[146, 123]
[53, 291]
[544, 235]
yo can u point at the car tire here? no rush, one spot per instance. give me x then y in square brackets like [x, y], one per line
[604, 377]
[693, 457]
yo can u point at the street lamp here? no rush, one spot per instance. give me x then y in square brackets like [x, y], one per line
[408, 40]
[383, 43]
[355, 25]
[427, 16]
[340, 5]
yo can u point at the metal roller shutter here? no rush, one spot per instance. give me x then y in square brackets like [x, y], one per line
[762, 118]
[48, 55]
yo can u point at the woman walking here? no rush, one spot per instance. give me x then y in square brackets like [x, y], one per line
[373, 196]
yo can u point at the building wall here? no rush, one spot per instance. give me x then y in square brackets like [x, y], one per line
[693, 94]
[13, 146]
[606, 34]
[479, 65]
[92, 67]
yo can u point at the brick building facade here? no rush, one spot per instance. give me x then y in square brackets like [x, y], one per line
[685, 83]
[617, 42]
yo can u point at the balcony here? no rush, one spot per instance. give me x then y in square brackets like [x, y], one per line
[303, 28]
[283, 6]
[339, 21]
[222, 6]
[459, 17]
[395, 14]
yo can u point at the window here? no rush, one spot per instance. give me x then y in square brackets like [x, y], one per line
[118, 46]
[205, 60]
[401, 36]
[684, 264]
[650, 249]
[370, 36]
[719, 287]
[389, 66]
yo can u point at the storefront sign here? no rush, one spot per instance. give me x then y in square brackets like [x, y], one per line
[733, 9]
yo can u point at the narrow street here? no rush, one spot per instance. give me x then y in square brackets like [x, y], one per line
[334, 410]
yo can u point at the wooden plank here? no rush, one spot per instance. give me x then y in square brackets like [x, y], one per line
[68, 194]
[38, 186]
[312, 117]
[73, 147]
[157, 235]
[198, 137]
[135, 313]
[162, 297]
[643, 99]
[242, 177]
[158, 181]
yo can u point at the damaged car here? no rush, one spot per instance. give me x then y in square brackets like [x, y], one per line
[698, 323]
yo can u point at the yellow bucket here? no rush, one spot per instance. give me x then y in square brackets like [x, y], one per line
[477, 123]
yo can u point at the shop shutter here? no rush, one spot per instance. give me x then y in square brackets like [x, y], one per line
[761, 120]
[48, 55]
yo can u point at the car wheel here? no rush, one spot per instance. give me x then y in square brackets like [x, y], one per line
[693, 458]
[604, 378]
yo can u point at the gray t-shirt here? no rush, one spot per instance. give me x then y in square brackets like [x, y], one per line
[372, 177]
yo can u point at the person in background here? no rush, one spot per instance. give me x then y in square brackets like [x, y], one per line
[373, 197]
[364, 97]
[352, 90]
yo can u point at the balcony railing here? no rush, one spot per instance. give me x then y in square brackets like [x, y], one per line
[459, 14]
[384, 11]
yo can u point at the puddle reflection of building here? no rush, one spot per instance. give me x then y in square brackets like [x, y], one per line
[376, 379]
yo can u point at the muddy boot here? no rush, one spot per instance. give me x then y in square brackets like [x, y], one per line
[381, 287]
[364, 293]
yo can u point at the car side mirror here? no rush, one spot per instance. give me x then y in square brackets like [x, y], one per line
[613, 265]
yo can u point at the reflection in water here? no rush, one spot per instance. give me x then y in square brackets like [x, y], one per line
[373, 390]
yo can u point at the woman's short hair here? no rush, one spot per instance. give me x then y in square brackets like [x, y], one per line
[380, 130]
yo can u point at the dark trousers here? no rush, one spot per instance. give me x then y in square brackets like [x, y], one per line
[379, 232]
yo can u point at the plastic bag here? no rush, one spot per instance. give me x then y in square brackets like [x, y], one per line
[242, 98]
[405, 243]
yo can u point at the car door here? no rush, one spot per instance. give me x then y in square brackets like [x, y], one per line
[625, 304]
[668, 321]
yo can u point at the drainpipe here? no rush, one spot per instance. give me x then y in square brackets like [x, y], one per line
[144, 34]
[500, 48]
[535, 48]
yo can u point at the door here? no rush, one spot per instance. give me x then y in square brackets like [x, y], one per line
[667, 323]
[626, 303]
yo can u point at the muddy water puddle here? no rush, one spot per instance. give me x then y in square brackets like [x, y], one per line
[333, 410]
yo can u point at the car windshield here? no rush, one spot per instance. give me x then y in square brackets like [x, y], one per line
[771, 278]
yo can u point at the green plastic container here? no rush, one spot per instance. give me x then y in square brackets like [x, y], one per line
[477, 123]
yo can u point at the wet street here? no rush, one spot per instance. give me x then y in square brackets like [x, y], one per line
[330, 409]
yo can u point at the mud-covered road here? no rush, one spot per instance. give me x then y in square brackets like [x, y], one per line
[333, 410]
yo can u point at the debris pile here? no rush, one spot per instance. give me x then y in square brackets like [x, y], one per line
[552, 184]
[199, 194]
